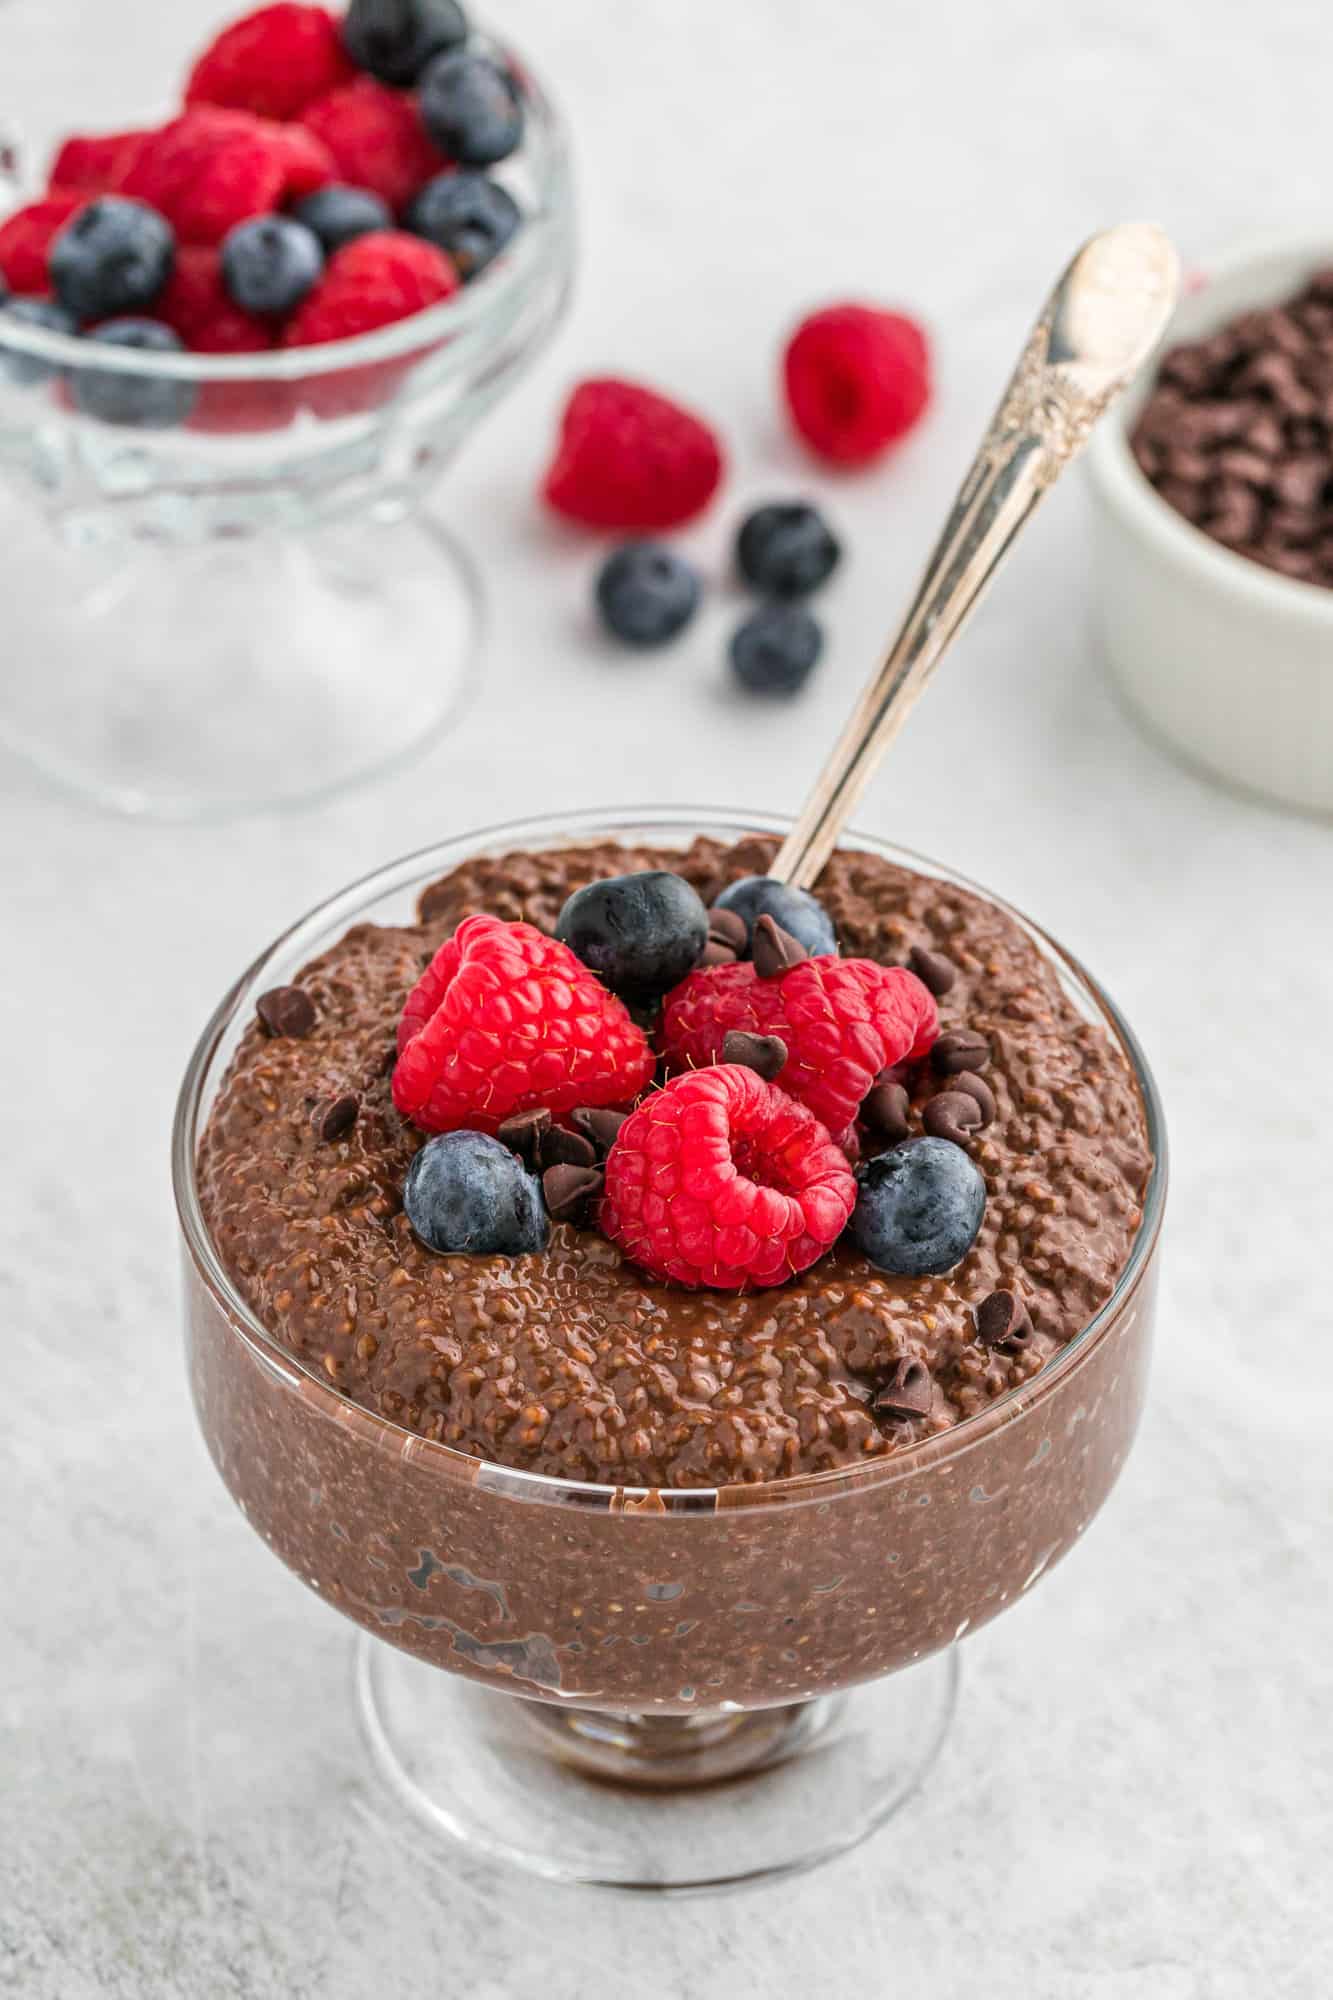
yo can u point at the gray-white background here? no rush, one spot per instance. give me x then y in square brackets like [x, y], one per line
[1135, 1803]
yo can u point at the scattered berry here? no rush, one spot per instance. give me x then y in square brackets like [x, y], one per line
[273, 62]
[471, 109]
[628, 459]
[919, 1208]
[112, 258]
[197, 306]
[503, 1020]
[338, 214]
[775, 649]
[796, 911]
[467, 1193]
[395, 39]
[639, 933]
[135, 398]
[95, 164]
[723, 1180]
[26, 237]
[370, 282]
[466, 214]
[787, 549]
[207, 171]
[857, 378]
[843, 1021]
[646, 594]
[270, 264]
[25, 369]
[376, 138]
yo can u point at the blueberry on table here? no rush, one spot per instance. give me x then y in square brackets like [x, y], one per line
[466, 1193]
[795, 911]
[138, 399]
[639, 933]
[646, 594]
[338, 214]
[25, 369]
[786, 550]
[395, 39]
[774, 650]
[467, 215]
[470, 108]
[112, 257]
[919, 1208]
[270, 263]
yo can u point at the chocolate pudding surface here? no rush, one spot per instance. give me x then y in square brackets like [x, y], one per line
[573, 1363]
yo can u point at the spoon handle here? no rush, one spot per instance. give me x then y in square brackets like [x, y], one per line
[1105, 315]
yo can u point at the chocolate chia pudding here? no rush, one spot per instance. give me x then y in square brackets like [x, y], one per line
[703, 1567]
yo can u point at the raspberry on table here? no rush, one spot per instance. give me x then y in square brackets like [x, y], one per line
[376, 138]
[857, 378]
[97, 163]
[721, 1179]
[843, 1021]
[372, 281]
[628, 458]
[208, 170]
[273, 61]
[504, 1020]
[26, 237]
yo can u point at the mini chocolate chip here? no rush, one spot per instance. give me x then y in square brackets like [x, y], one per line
[907, 1393]
[570, 1191]
[774, 950]
[287, 1010]
[961, 1048]
[937, 973]
[558, 1148]
[523, 1134]
[602, 1127]
[728, 927]
[1004, 1322]
[718, 954]
[952, 1115]
[334, 1117]
[978, 1088]
[886, 1110]
[765, 1054]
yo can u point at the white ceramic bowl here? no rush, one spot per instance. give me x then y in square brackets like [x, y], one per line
[1229, 662]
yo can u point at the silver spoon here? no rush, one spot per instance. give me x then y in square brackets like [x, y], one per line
[1104, 317]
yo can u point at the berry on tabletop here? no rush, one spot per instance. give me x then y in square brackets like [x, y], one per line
[786, 549]
[628, 459]
[646, 594]
[857, 378]
[775, 649]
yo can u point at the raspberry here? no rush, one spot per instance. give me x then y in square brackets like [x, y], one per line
[26, 237]
[273, 62]
[723, 1180]
[196, 305]
[372, 281]
[307, 163]
[843, 1020]
[97, 164]
[207, 171]
[628, 459]
[504, 1019]
[376, 138]
[857, 378]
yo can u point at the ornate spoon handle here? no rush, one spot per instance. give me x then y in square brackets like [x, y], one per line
[1104, 317]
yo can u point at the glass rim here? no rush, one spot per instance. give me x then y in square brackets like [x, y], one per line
[472, 304]
[416, 870]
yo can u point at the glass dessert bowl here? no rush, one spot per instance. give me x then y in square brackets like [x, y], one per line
[238, 600]
[651, 1686]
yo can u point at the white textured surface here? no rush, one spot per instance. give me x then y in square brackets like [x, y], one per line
[1135, 1804]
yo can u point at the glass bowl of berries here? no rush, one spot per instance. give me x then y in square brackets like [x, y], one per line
[236, 352]
[665, 1312]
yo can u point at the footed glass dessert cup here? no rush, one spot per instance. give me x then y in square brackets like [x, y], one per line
[659, 1689]
[242, 602]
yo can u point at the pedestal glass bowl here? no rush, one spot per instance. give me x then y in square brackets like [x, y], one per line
[663, 1689]
[243, 603]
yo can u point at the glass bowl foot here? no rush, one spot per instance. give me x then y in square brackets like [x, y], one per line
[650, 1802]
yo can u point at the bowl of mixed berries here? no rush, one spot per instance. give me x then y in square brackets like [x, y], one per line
[236, 349]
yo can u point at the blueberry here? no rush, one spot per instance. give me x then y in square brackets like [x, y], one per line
[141, 399]
[774, 650]
[270, 263]
[465, 1192]
[786, 550]
[470, 108]
[25, 369]
[112, 257]
[395, 39]
[919, 1208]
[338, 214]
[467, 215]
[646, 594]
[640, 934]
[794, 910]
